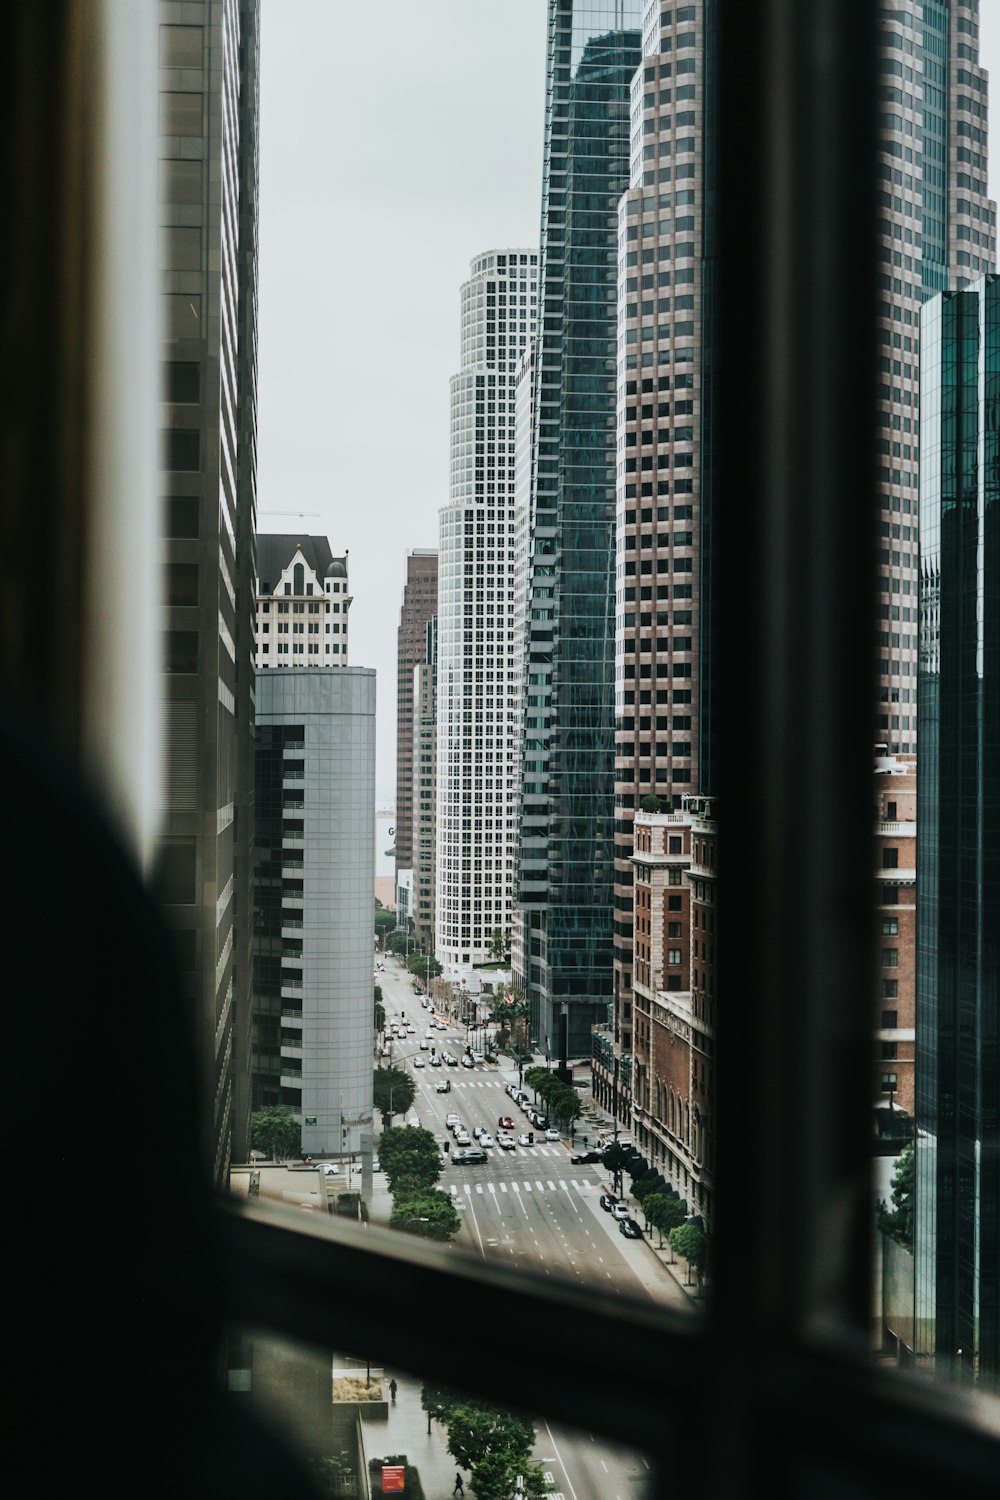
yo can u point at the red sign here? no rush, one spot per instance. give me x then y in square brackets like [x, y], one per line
[393, 1479]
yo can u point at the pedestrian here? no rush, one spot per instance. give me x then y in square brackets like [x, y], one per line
[459, 1486]
[393, 1388]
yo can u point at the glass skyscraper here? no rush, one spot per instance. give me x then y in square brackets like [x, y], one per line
[567, 818]
[957, 1239]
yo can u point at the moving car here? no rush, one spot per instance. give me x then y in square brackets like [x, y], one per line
[462, 1138]
[505, 1141]
[435, 1061]
[477, 1131]
[418, 1062]
[505, 1122]
[414, 1122]
[467, 1062]
[630, 1229]
[485, 1138]
[444, 1087]
[583, 1157]
[450, 1119]
[552, 1135]
[424, 1044]
[450, 1061]
[466, 1158]
[526, 1140]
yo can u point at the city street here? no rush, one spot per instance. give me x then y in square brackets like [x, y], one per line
[530, 1205]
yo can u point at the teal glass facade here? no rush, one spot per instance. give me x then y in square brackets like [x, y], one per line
[567, 816]
[957, 1235]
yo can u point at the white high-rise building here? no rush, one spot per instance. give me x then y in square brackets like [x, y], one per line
[479, 689]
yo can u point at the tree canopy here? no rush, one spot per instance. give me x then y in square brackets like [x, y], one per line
[276, 1132]
[427, 1212]
[897, 1222]
[616, 1159]
[410, 1156]
[663, 1212]
[691, 1244]
[393, 1091]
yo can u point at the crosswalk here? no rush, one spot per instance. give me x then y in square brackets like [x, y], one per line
[535, 1186]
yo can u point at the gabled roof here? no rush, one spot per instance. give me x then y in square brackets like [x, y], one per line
[275, 550]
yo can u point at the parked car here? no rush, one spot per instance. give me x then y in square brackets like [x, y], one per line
[552, 1135]
[619, 1210]
[444, 1087]
[607, 1202]
[630, 1229]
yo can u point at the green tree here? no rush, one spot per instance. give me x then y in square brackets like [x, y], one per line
[379, 1009]
[615, 1158]
[409, 1155]
[393, 1091]
[536, 1079]
[437, 1401]
[492, 1443]
[499, 944]
[276, 1132]
[651, 804]
[664, 1213]
[691, 1244]
[897, 1222]
[397, 942]
[424, 966]
[385, 921]
[429, 1213]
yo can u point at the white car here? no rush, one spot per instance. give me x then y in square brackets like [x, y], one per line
[552, 1135]
[424, 1044]
[505, 1141]
[525, 1140]
[462, 1138]
[418, 1062]
[329, 1168]
[451, 1119]
[620, 1211]
[485, 1139]
[477, 1131]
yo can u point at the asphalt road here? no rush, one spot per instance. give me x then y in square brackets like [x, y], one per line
[531, 1205]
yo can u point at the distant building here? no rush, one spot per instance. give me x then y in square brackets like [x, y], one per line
[303, 600]
[420, 602]
[479, 660]
[896, 932]
[313, 904]
[425, 792]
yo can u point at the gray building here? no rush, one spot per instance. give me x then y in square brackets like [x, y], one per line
[315, 894]
[208, 253]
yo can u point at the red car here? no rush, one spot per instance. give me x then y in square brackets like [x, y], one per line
[505, 1122]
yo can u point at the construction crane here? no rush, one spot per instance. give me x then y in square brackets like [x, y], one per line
[288, 512]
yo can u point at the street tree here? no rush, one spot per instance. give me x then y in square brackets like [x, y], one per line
[393, 1091]
[491, 1442]
[379, 1009]
[536, 1078]
[437, 1401]
[691, 1244]
[424, 966]
[385, 921]
[897, 1222]
[405, 1153]
[615, 1158]
[276, 1132]
[498, 944]
[428, 1213]
[664, 1213]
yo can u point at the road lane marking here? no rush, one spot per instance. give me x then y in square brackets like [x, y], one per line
[561, 1184]
[516, 1186]
[503, 1187]
[539, 1186]
[479, 1187]
[527, 1187]
[559, 1460]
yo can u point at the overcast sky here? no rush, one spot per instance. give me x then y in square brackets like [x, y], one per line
[397, 140]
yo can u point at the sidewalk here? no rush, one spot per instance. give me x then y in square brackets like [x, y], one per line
[406, 1432]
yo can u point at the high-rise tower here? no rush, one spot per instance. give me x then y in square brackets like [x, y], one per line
[479, 689]
[565, 846]
[957, 1221]
[208, 251]
[418, 608]
[938, 229]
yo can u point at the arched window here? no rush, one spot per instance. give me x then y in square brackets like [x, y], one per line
[299, 579]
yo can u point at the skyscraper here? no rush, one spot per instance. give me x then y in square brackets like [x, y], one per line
[425, 792]
[419, 606]
[479, 689]
[208, 188]
[957, 1229]
[565, 845]
[938, 229]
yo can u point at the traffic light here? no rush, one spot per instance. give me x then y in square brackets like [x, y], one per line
[531, 1137]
